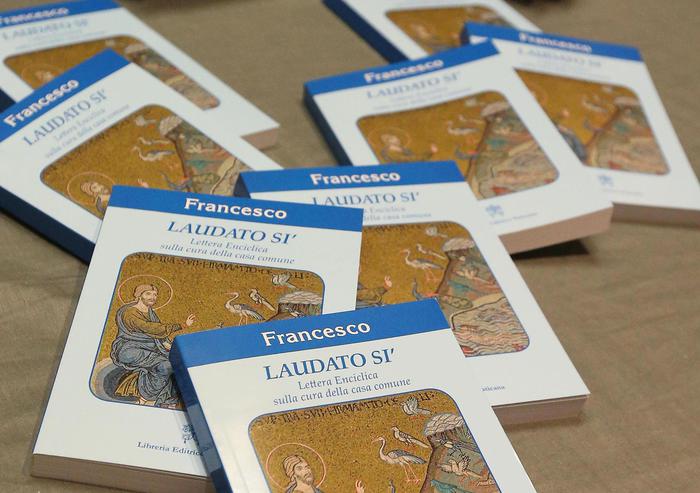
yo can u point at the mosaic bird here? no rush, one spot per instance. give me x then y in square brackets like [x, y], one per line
[400, 458]
[404, 437]
[473, 103]
[153, 155]
[457, 468]
[433, 231]
[428, 251]
[141, 121]
[462, 127]
[596, 105]
[283, 280]
[411, 408]
[421, 264]
[259, 299]
[153, 142]
[243, 311]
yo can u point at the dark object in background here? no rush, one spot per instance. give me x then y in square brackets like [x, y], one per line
[5, 101]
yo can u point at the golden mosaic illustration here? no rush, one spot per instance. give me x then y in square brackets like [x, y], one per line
[481, 133]
[604, 124]
[152, 148]
[36, 68]
[409, 262]
[157, 297]
[415, 442]
[439, 29]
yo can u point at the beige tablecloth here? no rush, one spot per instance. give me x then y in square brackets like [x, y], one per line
[624, 304]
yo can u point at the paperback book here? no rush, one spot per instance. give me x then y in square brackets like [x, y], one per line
[39, 43]
[169, 263]
[604, 103]
[409, 29]
[343, 402]
[424, 236]
[103, 123]
[469, 106]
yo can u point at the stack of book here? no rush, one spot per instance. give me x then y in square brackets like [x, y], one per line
[320, 329]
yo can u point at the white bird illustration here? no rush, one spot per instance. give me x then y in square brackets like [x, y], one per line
[141, 121]
[428, 251]
[459, 468]
[147, 142]
[433, 231]
[410, 407]
[243, 311]
[594, 105]
[421, 264]
[463, 127]
[198, 148]
[283, 280]
[404, 437]
[401, 458]
[259, 299]
[153, 155]
[472, 103]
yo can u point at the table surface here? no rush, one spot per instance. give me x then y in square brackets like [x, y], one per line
[624, 303]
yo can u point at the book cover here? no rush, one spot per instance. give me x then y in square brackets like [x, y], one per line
[103, 123]
[424, 236]
[604, 103]
[409, 29]
[469, 106]
[344, 402]
[169, 263]
[39, 43]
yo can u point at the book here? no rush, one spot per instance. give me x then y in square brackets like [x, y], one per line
[39, 43]
[409, 29]
[424, 236]
[343, 402]
[169, 263]
[603, 101]
[469, 106]
[102, 123]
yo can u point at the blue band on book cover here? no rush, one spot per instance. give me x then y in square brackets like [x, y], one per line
[239, 209]
[402, 70]
[299, 334]
[387, 175]
[52, 11]
[544, 40]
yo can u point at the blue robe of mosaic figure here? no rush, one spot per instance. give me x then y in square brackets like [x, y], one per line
[140, 347]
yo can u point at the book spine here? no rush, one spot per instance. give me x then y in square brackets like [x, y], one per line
[195, 415]
[240, 189]
[365, 30]
[331, 139]
[464, 35]
[45, 225]
[5, 100]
